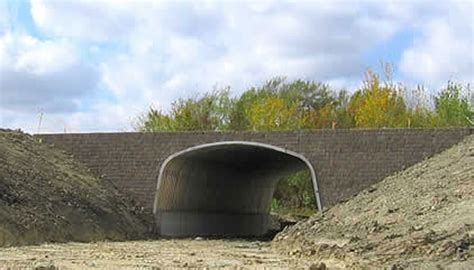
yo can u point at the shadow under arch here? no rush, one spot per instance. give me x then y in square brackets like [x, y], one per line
[223, 188]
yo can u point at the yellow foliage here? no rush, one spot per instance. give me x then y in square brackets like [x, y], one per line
[273, 113]
[378, 105]
[321, 118]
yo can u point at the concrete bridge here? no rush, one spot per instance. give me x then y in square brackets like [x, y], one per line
[213, 183]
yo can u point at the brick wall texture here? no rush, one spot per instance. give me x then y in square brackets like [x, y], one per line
[345, 161]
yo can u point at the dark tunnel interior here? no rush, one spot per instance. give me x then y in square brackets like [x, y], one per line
[221, 190]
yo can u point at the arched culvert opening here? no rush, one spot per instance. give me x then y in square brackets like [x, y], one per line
[223, 189]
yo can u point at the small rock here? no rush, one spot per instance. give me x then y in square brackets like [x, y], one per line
[371, 189]
[294, 251]
[323, 247]
[393, 236]
[354, 238]
[318, 266]
[396, 267]
[392, 210]
[198, 238]
[45, 266]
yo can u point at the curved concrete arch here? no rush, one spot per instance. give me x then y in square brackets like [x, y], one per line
[163, 207]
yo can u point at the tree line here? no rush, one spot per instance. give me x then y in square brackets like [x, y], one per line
[301, 104]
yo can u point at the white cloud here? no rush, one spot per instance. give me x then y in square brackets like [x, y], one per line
[180, 49]
[101, 116]
[28, 54]
[4, 17]
[41, 77]
[85, 19]
[152, 52]
[445, 48]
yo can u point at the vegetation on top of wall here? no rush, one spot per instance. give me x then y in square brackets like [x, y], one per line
[288, 105]
[279, 104]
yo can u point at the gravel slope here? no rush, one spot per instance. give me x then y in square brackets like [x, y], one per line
[422, 217]
[45, 196]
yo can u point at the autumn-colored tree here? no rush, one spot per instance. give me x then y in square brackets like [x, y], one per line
[378, 104]
[279, 105]
[274, 113]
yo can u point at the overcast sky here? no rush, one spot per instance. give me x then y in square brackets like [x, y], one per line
[96, 65]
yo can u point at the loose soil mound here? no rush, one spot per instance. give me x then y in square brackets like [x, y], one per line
[422, 217]
[45, 196]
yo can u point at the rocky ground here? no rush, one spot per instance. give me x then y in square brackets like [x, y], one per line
[45, 196]
[422, 217]
[158, 254]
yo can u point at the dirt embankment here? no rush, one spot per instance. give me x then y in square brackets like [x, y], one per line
[422, 217]
[45, 196]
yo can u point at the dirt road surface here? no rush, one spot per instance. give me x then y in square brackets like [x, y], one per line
[190, 253]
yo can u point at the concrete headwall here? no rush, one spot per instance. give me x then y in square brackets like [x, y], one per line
[345, 161]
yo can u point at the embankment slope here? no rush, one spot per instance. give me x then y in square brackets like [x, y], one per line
[45, 196]
[422, 217]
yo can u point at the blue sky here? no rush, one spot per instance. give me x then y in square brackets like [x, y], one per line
[96, 65]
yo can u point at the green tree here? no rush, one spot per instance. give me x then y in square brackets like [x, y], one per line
[308, 95]
[420, 115]
[155, 120]
[296, 192]
[453, 107]
[209, 112]
[343, 118]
